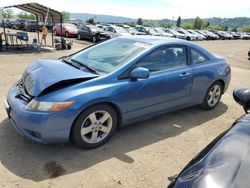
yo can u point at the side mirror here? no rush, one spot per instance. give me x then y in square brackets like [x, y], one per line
[139, 73]
[242, 97]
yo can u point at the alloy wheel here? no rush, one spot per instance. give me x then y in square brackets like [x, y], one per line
[214, 95]
[96, 127]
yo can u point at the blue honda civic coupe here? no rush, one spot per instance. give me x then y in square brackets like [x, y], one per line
[85, 96]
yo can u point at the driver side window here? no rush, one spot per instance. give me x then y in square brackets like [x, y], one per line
[164, 58]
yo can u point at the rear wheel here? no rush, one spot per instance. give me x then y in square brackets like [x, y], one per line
[94, 126]
[79, 36]
[213, 96]
[66, 34]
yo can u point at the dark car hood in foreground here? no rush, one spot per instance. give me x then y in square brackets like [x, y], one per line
[44, 73]
[225, 163]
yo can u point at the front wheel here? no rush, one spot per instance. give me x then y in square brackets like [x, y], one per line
[79, 36]
[94, 126]
[94, 39]
[213, 96]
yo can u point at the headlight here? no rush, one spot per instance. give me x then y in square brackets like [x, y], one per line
[47, 106]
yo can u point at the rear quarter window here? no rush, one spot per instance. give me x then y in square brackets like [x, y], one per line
[197, 57]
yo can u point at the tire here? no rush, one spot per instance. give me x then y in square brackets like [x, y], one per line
[188, 38]
[88, 129]
[94, 39]
[213, 96]
[79, 36]
[66, 34]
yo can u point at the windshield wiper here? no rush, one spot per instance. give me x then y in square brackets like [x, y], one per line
[86, 66]
[69, 62]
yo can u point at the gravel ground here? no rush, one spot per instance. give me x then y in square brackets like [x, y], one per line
[142, 155]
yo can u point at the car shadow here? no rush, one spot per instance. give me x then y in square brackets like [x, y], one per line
[38, 162]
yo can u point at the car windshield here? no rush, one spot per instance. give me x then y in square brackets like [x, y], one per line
[174, 31]
[94, 28]
[109, 56]
[160, 30]
[70, 26]
[120, 30]
[132, 29]
[152, 30]
[183, 32]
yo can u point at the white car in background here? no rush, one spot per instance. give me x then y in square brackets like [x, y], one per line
[200, 36]
[115, 31]
[152, 31]
[188, 35]
[162, 32]
[175, 33]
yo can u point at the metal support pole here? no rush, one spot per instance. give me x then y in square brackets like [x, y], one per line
[38, 38]
[5, 36]
[61, 20]
[52, 36]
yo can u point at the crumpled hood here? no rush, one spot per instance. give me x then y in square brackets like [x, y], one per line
[44, 73]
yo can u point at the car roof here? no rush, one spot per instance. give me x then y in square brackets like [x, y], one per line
[155, 40]
[159, 41]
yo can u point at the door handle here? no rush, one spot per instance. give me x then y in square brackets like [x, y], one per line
[184, 74]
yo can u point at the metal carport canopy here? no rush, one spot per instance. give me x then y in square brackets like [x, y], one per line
[40, 11]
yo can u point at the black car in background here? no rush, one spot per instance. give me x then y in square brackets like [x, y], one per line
[142, 29]
[235, 35]
[223, 35]
[18, 24]
[32, 25]
[7, 22]
[225, 162]
[91, 32]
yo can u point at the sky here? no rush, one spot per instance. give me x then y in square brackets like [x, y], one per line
[149, 9]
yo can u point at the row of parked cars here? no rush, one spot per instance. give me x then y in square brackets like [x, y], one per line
[25, 25]
[104, 31]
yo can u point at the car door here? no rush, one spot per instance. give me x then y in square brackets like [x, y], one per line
[88, 33]
[203, 74]
[85, 33]
[110, 31]
[168, 86]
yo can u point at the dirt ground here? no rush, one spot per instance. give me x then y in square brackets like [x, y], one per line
[142, 155]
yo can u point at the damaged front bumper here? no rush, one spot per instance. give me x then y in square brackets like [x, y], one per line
[42, 127]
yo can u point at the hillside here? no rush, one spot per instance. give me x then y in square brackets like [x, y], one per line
[101, 18]
[230, 22]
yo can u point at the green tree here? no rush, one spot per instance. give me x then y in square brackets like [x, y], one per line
[91, 21]
[215, 27]
[66, 16]
[26, 15]
[187, 26]
[8, 13]
[198, 23]
[245, 28]
[225, 28]
[139, 21]
[178, 22]
[234, 29]
[206, 24]
[164, 25]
